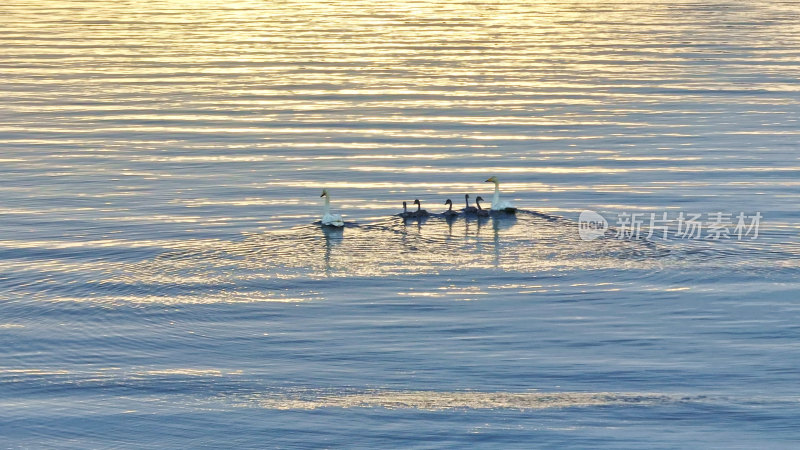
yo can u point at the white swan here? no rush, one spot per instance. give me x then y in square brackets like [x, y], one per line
[332, 220]
[497, 204]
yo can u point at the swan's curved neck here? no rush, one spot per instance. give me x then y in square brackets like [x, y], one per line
[466, 199]
[419, 206]
[496, 198]
[479, 204]
[327, 209]
[451, 207]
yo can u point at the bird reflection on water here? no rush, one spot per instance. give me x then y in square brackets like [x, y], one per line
[333, 237]
[270, 265]
[415, 245]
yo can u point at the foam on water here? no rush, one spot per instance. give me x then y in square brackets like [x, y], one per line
[436, 401]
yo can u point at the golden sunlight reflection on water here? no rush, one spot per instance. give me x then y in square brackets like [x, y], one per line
[165, 281]
[258, 267]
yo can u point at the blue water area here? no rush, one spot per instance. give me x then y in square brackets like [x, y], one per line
[165, 281]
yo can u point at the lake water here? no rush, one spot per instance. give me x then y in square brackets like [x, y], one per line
[164, 284]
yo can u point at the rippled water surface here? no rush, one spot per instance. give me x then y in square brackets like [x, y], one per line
[163, 283]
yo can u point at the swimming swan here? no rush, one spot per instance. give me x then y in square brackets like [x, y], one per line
[469, 209]
[405, 213]
[331, 220]
[419, 212]
[497, 204]
[481, 212]
[450, 212]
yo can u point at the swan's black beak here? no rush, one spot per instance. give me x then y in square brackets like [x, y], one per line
[322, 195]
[488, 181]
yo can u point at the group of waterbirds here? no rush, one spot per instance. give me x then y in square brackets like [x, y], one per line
[499, 206]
